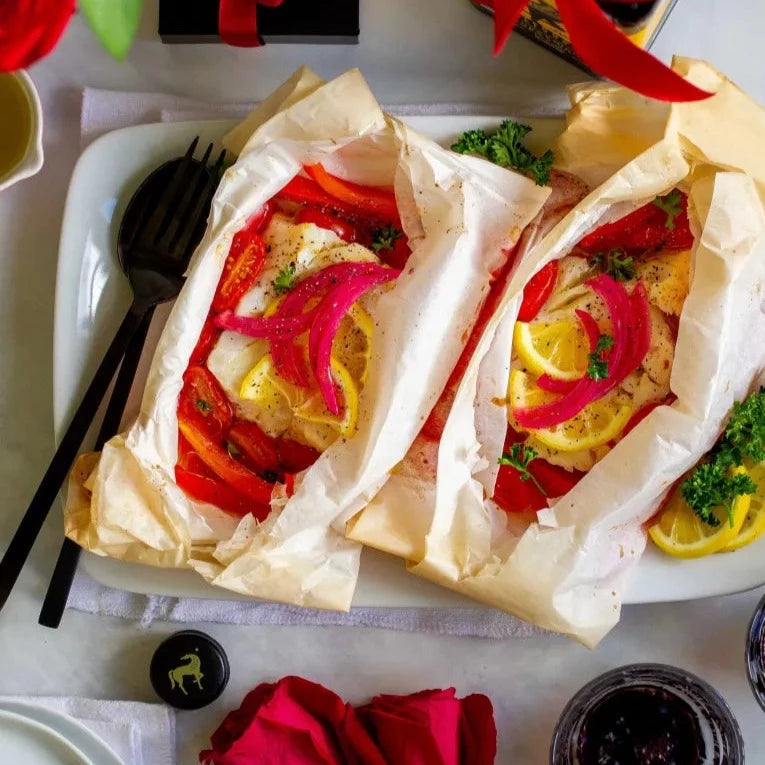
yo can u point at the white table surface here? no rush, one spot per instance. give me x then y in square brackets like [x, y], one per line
[425, 51]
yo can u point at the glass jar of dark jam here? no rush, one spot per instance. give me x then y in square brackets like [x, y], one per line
[755, 654]
[647, 714]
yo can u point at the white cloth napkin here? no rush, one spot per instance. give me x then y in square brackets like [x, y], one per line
[139, 734]
[105, 110]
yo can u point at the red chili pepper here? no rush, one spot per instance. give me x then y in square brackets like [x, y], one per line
[206, 342]
[536, 292]
[377, 202]
[294, 456]
[243, 264]
[202, 395]
[257, 448]
[343, 228]
[237, 476]
[215, 492]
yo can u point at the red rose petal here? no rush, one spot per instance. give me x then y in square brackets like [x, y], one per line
[607, 51]
[478, 731]
[29, 29]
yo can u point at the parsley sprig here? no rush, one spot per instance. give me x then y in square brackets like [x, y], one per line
[713, 483]
[519, 457]
[616, 263]
[283, 281]
[598, 366]
[505, 147]
[384, 238]
[671, 204]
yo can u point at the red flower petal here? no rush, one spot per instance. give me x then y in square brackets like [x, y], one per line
[603, 48]
[506, 15]
[420, 729]
[29, 29]
[478, 732]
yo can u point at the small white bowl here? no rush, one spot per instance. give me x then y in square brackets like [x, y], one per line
[33, 159]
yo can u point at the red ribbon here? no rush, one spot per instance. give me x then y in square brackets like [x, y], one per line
[238, 22]
[604, 49]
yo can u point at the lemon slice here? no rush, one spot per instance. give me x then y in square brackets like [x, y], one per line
[557, 348]
[681, 533]
[352, 345]
[597, 424]
[274, 395]
[313, 409]
[310, 416]
[754, 522]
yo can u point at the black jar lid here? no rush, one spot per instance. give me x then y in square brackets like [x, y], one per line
[189, 670]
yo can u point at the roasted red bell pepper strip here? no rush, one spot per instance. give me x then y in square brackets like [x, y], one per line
[644, 229]
[294, 456]
[206, 342]
[289, 484]
[243, 264]
[215, 492]
[612, 235]
[398, 255]
[536, 292]
[306, 191]
[377, 202]
[515, 495]
[189, 460]
[236, 475]
[556, 481]
[256, 447]
[343, 228]
[202, 395]
[641, 414]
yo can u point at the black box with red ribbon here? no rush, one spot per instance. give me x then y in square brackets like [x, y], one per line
[293, 21]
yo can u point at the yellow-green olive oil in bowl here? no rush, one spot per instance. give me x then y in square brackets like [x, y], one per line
[15, 124]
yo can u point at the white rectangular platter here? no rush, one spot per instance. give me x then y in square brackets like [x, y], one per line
[92, 295]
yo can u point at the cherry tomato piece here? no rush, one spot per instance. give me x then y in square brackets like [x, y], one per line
[294, 456]
[202, 395]
[243, 264]
[257, 448]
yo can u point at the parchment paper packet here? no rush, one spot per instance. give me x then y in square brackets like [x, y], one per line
[459, 214]
[567, 572]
